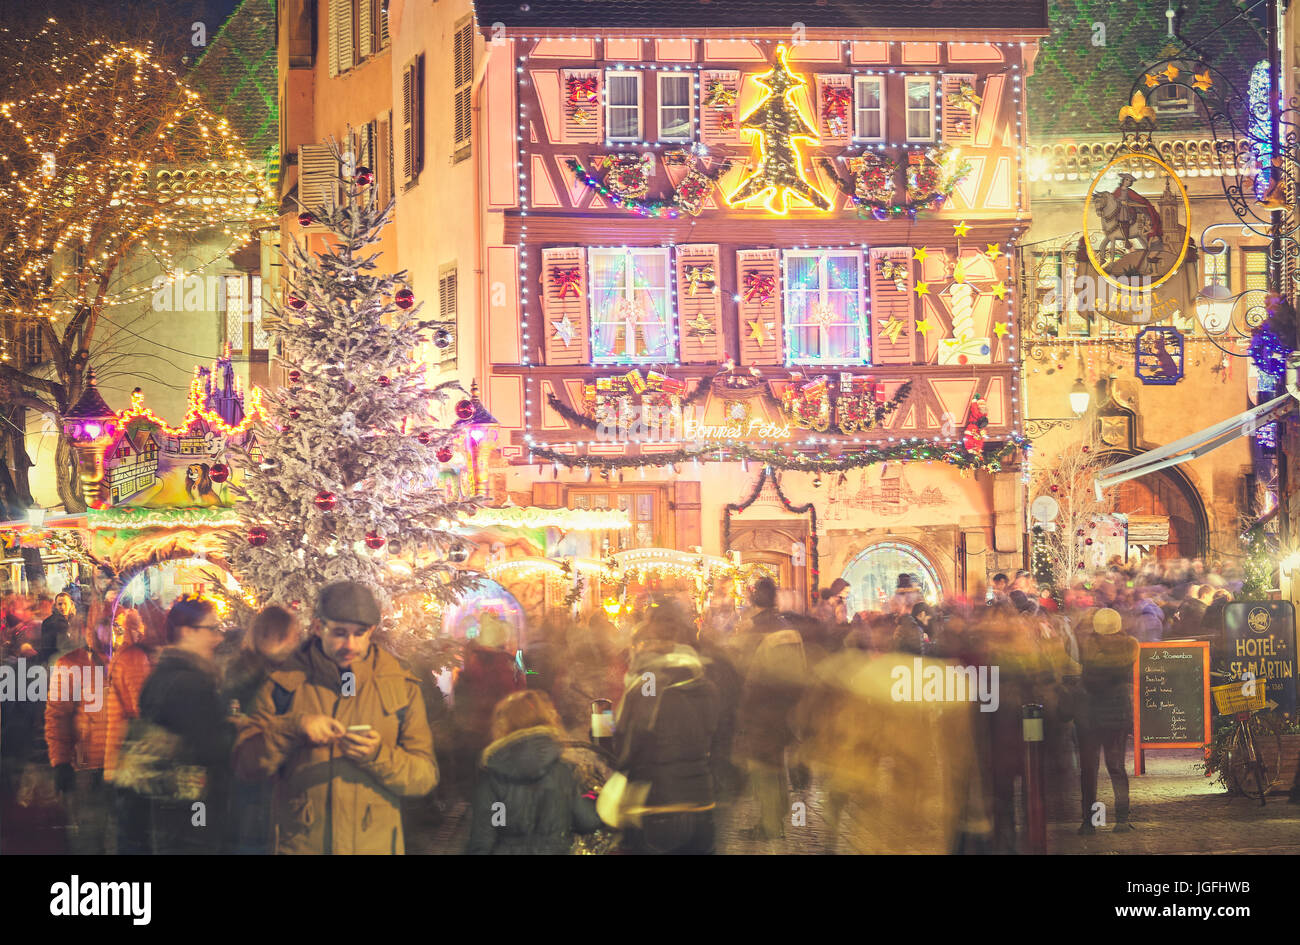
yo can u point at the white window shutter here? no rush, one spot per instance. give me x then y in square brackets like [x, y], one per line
[333, 28]
[365, 29]
[341, 14]
[318, 176]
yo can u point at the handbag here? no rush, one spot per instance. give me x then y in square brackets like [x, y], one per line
[149, 765]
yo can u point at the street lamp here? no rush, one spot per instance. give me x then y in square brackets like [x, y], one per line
[90, 424]
[1079, 397]
[480, 429]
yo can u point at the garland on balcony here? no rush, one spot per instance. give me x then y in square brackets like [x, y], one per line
[732, 507]
[590, 423]
[989, 458]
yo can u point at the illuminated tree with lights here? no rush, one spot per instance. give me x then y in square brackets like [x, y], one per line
[113, 172]
[352, 478]
[1071, 481]
[777, 124]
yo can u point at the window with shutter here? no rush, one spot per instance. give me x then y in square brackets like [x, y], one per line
[413, 121]
[959, 109]
[893, 306]
[835, 108]
[448, 306]
[919, 99]
[676, 106]
[825, 318]
[381, 17]
[719, 94]
[365, 28]
[583, 117]
[462, 89]
[234, 335]
[342, 36]
[631, 306]
[869, 108]
[384, 158]
[699, 301]
[758, 278]
[261, 337]
[318, 176]
[564, 305]
[623, 106]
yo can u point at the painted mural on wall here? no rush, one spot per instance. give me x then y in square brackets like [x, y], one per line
[153, 464]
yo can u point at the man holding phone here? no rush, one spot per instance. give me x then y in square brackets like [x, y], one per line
[341, 725]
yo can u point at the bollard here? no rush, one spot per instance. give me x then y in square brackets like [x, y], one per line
[602, 724]
[1035, 807]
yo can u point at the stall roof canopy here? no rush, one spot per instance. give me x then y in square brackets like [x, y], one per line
[1196, 445]
[1026, 16]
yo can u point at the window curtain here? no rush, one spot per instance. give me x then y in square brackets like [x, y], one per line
[650, 293]
[803, 291]
[606, 289]
[842, 293]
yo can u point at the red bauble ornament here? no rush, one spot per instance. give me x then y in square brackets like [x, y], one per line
[325, 500]
[444, 454]
[1056, 488]
[294, 413]
[404, 298]
[1080, 565]
[295, 376]
[375, 541]
[365, 176]
[424, 436]
[1079, 533]
[258, 536]
[384, 380]
[219, 473]
[1087, 541]
[1085, 449]
[305, 219]
[295, 303]
[464, 409]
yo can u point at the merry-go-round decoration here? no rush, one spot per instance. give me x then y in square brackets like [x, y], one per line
[1159, 355]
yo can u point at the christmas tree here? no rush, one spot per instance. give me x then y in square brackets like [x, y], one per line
[347, 478]
[777, 123]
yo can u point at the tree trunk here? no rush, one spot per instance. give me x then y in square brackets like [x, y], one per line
[65, 471]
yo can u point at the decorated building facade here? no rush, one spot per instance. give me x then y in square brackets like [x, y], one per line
[753, 285]
[1168, 368]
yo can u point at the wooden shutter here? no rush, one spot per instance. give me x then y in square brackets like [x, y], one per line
[699, 314]
[365, 29]
[833, 128]
[892, 304]
[754, 266]
[584, 119]
[462, 85]
[720, 124]
[382, 16]
[318, 176]
[448, 304]
[412, 120]
[383, 165]
[341, 39]
[958, 120]
[573, 305]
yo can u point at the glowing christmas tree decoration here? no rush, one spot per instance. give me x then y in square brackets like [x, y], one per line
[776, 125]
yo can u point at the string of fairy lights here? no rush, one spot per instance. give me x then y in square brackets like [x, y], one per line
[823, 445]
[167, 168]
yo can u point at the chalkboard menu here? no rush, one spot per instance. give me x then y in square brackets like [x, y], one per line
[1259, 638]
[1171, 688]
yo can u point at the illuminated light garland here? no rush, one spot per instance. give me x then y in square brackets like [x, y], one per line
[929, 192]
[196, 411]
[659, 209]
[591, 423]
[809, 508]
[567, 519]
[131, 517]
[951, 454]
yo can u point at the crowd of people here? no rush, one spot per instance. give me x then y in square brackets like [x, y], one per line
[309, 736]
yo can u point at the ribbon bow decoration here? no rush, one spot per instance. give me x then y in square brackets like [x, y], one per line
[566, 281]
[895, 270]
[835, 106]
[697, 276]
[719, 95]
[582, 89]
[759, 286]
[964, 97]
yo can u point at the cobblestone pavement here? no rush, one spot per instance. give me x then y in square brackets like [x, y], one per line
[1175, 810]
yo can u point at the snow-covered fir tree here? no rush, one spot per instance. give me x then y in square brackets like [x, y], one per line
[344, 481]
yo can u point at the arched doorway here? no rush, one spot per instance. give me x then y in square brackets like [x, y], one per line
[1167, 493]
[873, 575]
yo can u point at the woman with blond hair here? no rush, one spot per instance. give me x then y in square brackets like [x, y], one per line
[529, 797]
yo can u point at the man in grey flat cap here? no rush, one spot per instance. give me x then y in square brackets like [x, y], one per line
[342, 725]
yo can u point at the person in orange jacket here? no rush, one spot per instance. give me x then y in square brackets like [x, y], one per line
[76, 728]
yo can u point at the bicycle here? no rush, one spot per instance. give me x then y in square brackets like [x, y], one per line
[1254, 749]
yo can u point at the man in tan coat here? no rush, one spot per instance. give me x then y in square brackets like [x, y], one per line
[341, 726]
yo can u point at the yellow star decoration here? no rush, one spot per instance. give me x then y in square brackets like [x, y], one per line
[959, 272]
[921, 254]
[756, 333]
[1150, 80]
[921, 288]
[1203, 81]
[960, 229]
[1001, 328]
[1171, 72]
[924, 327]
[892, 329]
[1000, 289]
[993, 251]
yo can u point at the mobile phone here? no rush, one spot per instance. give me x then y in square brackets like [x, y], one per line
[358, 728]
